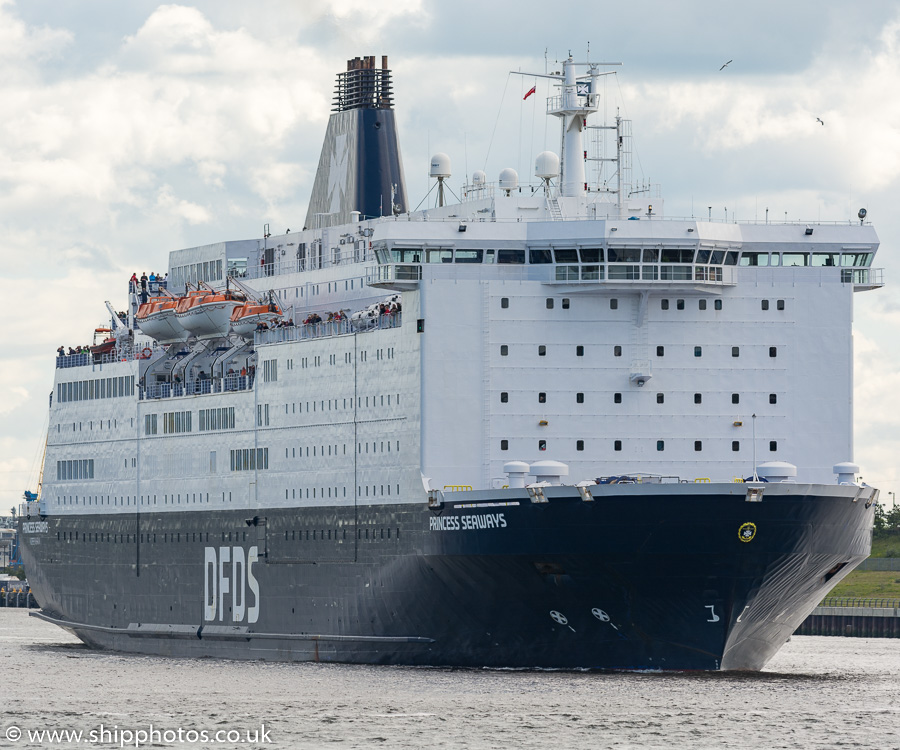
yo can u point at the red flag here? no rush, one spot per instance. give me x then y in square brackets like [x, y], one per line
[530, 92]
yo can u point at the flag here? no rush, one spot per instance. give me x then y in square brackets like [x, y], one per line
[530, 92]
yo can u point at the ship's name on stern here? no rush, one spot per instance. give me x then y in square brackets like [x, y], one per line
[35, 527]
[467, 523]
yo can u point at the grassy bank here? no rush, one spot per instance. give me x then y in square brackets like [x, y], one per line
[870, 584]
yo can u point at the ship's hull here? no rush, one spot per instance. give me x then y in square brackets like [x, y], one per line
[620, 581]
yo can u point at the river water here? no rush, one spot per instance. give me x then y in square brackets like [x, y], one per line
[816, 693]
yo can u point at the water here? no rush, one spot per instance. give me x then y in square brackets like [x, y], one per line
[816, 693]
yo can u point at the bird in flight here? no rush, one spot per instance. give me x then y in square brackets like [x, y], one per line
[819, 120]
[726, 65]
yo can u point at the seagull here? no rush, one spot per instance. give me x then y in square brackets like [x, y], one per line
[819, 120]
[726, 65]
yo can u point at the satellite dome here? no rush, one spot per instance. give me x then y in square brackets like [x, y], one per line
[509, 179]
[440, 166]
[478, 177]
[546, 165]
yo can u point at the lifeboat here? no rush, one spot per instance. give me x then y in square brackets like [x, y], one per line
[206, 314]
[157, 319]
[246, 318]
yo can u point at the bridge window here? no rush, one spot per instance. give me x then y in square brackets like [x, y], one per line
[539, 256]
[509, 256]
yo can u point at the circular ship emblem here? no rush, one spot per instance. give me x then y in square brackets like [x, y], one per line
[746, 532]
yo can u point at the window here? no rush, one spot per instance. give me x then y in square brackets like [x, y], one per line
[773, 398]
[698, 398]
[735, 398]
[579, 351]
[579, 398]
[779, 304]
[539, 255]
[504, 302]
[660, 398]
[542, 398]
[664, 304]
[614, 304]
[549, 303]
[617, 351]
[698, 351]
[579, 445]
[504, 397]
[542, 351]
[504, 350]
[735, 351]
[617, 398]
[249, 459]
[660, 351]
[679, 304]
[542, 445]
[735, 445]
[773, 445]
[176, 422]
[718, 304]
[773, 351]
[764, 304]
[701, 304]
[504, 445]
[660, 445]
[617, 445]
[698, 445]
[150, 424]
[270, 370]
[565, 303]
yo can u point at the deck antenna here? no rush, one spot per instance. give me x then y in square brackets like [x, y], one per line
[578, 98]
[755, 476]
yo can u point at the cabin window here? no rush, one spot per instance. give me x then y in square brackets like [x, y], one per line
[549, 303]
[735, 351]
[504, 397]
[679, 304]
[617, 445]
[779, 304]
[735, 398]
[542, 350]
[698, 351]
[773, 445]
[735, 445]
[579, 398]
[701, 304]
[504, 445]
[579, 351]
[579, 445]
[764, 304]
[664, 304]
[504, 302]
[698, 398]
[718, 304]
[542, 445]
[698, 445]
[773, 398]
[504, 350]
[617, 351]
[542, 398]
[617, 398]
[660, 351]
[614, 304]
[660, 445]
[660, 398]
[773, 351]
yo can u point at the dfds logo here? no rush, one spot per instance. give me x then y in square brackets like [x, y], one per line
[230, 570]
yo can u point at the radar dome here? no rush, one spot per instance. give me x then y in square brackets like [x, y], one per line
[440, 166]
[478, 177]
[546, 165]
[509, 179]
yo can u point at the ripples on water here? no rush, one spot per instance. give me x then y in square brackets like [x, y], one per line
[816, 693]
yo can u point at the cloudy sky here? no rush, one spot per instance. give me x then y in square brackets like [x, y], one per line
[131, 129]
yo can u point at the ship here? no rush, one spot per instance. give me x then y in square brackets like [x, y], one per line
[541, 426]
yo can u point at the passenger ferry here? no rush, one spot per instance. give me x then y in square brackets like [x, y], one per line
[545, 426]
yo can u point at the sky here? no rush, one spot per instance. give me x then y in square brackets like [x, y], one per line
[132, 129]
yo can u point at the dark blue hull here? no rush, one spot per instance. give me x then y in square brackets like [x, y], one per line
[635, 578]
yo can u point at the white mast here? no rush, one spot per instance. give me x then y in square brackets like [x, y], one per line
[577, 100]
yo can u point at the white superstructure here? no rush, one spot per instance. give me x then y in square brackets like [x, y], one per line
[543, 322]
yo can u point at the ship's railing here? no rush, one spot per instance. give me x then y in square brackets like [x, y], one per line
[289, 262]
[196, 387]
[328, 328]
[119, 354]
[871, 277]
[850, 601]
